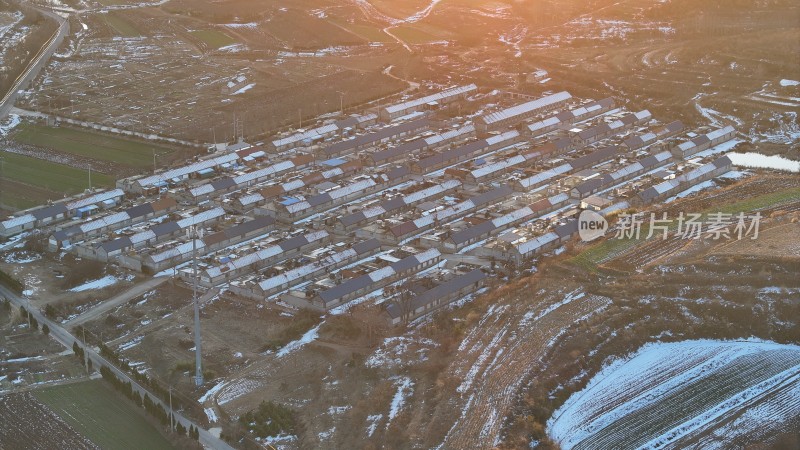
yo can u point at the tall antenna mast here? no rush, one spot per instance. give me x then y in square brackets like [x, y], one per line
[198, 370]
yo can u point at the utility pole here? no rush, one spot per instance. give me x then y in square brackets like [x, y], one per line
[85, 344]
[198, 371]
[171, 419]
[90, 177]
[2, 177]
[154, 161]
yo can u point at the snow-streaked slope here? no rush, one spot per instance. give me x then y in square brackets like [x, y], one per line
[668, 393]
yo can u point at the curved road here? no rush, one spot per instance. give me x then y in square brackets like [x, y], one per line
[36, 64]
[66, 339]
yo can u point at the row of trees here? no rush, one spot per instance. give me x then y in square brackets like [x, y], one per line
[32, 322]
[190, 408]
[11, 282]
[152, 384]
[155, 409]
[37, 30]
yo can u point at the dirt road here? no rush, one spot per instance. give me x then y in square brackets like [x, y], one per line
[39, 60]
[115, 301]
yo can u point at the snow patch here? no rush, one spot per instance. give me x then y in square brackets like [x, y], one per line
[405, 388]
[308, 337]
[106, 281]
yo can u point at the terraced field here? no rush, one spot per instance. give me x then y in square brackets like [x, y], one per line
[495, 356]
[669, 394]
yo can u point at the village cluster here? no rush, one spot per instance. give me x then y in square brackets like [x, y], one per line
[413, 204]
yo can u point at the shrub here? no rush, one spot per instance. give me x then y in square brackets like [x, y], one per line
[269, 419]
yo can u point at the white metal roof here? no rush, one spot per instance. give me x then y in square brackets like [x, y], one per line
[351, 188]
[443, 95]
[537, 243]
[300, 272]
[380, 274]
[433, 190]
[720, 132]
[18, 221]
[507, 136]
[246, 200]
[310, 134]
[142, 236]
[512, 216]
[258, 175]
[178, 250]
[525, 108]
[96, 198]
[449, 135]
[203, 189]
[292, 185]
[185, 170]
[104, 221]
[204, 216]
[546, 175]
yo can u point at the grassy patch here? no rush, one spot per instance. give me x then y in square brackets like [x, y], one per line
[761, 201]
[414, 35]
[121, 26]
[367, 32]
[106, 418]
[92, 145]
[215, 39]
[51, 176]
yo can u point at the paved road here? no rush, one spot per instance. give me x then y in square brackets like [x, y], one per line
[66, 339]
[135, 291]
[36, 64]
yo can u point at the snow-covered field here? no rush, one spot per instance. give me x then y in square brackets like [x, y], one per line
[712, 392]
[758, 160]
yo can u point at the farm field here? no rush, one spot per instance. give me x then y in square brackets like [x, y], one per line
[121, 26]
[414, 35]
[54, 180]
[214, 39]
[762, 193]
[672, 393]
[91, 145]
[93, 409]
[27, 423]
